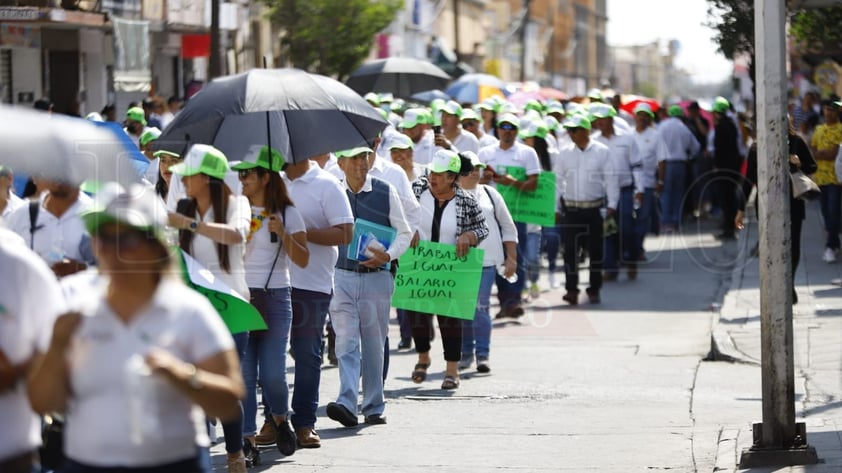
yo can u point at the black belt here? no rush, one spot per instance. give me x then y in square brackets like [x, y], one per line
[362, 269]
[628, 187]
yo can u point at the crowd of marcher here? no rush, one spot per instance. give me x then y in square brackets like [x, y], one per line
[97, 327]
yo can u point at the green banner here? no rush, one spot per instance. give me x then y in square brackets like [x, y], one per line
[536, 206]
[433, 280]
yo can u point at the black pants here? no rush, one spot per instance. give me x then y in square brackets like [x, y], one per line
[450, 329]
[728, 183]
[582, 228]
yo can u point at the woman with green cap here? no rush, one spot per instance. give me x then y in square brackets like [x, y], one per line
[145, 350]
[277, 232]
[213, 225]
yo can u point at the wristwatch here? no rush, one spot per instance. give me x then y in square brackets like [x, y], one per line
[194, 225]
[193, 377]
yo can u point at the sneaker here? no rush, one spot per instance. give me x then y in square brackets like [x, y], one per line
[829, 255]
[534, 291]
[285, 438]
[482, 365]
[266, 436]
[553, 282]
[466, 362]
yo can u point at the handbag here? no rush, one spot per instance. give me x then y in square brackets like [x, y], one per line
[803, 187]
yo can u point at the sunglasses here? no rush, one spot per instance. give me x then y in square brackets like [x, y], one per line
[575, 129]
[507, 127]
[470, 123]
[245, 173]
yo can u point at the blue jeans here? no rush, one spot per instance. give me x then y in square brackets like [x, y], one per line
[476, 334]
[265, 358]
[309, 309]
[201, 463]
[622, 245]
[551, 236]
[233, 431]
[533, 256]
[672, 197]
[509, 294]
[644, 218]
[359, 312]
[830, 204]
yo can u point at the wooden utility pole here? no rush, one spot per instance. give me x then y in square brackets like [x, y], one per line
[215, 60]
[778, 440]
[456, 48]
[523, 25]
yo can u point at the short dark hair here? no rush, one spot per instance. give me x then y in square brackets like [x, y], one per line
[43, 104]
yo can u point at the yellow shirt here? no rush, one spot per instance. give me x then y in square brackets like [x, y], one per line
[826, 137]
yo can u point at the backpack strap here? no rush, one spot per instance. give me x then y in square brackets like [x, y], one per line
[34, 207]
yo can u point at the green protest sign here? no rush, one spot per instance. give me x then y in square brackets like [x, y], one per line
[433, 280]
[536, 206]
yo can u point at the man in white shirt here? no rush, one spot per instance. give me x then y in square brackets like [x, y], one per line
[452, 136]
[359, 310]
[628, 168]
[322, 202]
[471, 122]
[672, 171]
[586, 180]
[30, 300]
[52, 227]
[416, 125]
[652, 150]
[511, 153]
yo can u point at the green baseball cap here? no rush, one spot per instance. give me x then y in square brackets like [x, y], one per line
[721, 105]
[162, 152]
[535, 129]
[452, 108]
[136, 114]
[675, 111]
[602, 110]
[596, 94]
[148, 136]
[138, 207]
[446, 161]
[644, 107]
[260, 157]
[551, 122]
[413, 117]
[533, 104]
[348, 153]
[577, 121]
[202, 159]
[400, 141]
[372, 98]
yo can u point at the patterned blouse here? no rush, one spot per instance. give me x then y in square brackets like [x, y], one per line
[469, 217]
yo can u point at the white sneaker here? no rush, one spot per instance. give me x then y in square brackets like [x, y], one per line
[829, 255]
[553, 282]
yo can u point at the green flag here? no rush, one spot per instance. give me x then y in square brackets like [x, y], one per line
[237, 313]
[536, 206]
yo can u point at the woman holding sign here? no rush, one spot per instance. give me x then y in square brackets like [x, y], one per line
[277, 232]
[502, 233]
[213, 224]
[448, 215]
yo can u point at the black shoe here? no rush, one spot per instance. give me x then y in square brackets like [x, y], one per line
[593, 296]
[341, 414]
[405, 344]
[252, 454]
[284, 438]
[375, 419]
[482, 365]
[516, 312]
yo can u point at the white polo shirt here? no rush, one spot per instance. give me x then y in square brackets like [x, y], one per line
[58, 236]
[320, 198]
[260, 251]
[30, 300]
[627, 161]
[517, 155]
[466, 141]
[178, 320]
[203, 249]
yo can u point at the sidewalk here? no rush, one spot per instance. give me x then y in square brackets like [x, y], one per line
[817, 325]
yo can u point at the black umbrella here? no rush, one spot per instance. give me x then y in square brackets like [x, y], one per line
[298, 113]
[400, 76]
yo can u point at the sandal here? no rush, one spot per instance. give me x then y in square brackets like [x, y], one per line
[419, 374]
[450, 382]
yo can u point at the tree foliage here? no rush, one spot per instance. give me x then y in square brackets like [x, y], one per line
[733, 24]
[818, 29]
[331, 37]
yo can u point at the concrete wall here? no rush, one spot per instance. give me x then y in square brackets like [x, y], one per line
[26, 73]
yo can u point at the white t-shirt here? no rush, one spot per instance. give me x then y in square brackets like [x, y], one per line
[203, 249]
[58, 237]
[466, 141]
[322, 202]
[518, 155]
[447, 231]
[499, 219]
[99, 416]
[30, 300]
[13, 203]
[261, 252]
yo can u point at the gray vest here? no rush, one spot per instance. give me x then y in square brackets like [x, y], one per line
[372, 206]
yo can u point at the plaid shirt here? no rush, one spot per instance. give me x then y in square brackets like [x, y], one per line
[469, 217]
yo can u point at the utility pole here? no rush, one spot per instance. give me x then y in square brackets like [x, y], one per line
[456, 31]
[215, 60]
[523, 25]
[778, 440]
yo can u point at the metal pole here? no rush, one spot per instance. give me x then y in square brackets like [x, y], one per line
[778, 440]
[215, 60]
[523, 24]
[456, 31]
